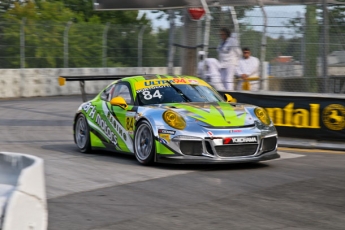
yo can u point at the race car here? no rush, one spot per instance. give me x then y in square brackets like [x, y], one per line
[174, 119]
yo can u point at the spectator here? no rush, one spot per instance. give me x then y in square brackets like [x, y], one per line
[229, 53]
[209, 71]
[248, 72]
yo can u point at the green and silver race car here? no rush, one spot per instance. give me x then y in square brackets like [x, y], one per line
[174, 119]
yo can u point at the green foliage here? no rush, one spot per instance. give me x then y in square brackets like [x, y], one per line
[43, 42]
[85, 7]
[47, 25]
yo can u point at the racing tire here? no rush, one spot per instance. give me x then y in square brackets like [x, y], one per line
[144, 143]
[82, 134]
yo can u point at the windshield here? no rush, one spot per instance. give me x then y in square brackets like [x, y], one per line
[178, 93]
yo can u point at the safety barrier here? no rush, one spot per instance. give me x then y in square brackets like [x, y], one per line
[301, 115]
[23, 203]
[44, 82]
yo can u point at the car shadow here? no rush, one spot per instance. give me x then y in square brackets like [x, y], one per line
[129, 159]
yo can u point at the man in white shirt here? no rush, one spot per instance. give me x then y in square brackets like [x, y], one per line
[229, 53]
[209, 71]
[248, 72]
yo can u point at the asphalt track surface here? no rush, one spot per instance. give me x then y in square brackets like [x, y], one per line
[305, 189]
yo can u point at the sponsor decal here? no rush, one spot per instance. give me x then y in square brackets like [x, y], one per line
[130, 123]
[89, 109]
[192, 81]
[244, 140]
[333, 116]
[143, 90]
[116, 125]
[227, 140]
[291, 117]
[161, 83]
[103, 127]
[306, 116]
[164, 136]
[163, 141]
[167, 131]
[240, 140]
[235, 130]
[121, 131]
[210, 133]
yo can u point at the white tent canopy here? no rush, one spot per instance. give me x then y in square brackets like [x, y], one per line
[170, 4]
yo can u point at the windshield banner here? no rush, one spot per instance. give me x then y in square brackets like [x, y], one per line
[161, 83]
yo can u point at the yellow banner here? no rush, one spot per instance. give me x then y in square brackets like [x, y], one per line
[147, 84]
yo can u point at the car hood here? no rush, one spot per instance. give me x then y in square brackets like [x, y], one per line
[217, 114]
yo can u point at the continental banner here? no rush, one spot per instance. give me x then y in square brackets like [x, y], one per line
[301, 116]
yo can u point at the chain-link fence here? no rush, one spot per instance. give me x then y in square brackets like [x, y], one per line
[74, 45]
[294, 51]
[295, 44]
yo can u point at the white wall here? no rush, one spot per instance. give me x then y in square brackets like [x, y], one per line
[22, 192]
[44, 82]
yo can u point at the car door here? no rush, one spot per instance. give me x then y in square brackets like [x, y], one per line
[122, 120]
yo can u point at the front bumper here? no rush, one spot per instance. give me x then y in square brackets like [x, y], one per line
[203, 160]
[207, 150]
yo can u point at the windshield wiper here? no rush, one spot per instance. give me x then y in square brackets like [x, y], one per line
[187, 99]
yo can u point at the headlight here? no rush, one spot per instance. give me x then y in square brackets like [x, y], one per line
[174, 119]
[263, 116]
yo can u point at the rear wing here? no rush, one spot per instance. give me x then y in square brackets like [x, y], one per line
[82, 79]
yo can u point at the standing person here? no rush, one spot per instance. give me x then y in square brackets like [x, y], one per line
[248, 72]
[209, 71]
[229, 53]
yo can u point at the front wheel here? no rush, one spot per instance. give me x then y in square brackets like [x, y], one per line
[82, 134]
[144, 143]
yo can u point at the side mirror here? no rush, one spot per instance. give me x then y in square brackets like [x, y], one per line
[119, 101]
[229, 98]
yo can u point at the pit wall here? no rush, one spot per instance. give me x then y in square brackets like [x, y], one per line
[44, 82]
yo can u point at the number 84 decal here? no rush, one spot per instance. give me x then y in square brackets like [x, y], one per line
[130, 123]
[149, 96]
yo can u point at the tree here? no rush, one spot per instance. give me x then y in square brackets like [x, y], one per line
[47, 25]
[44, 28]
[85, 7]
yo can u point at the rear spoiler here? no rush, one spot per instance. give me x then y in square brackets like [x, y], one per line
[82, 79]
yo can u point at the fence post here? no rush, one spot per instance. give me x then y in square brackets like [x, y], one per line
[263, 43]
[105, 46]
[171, 42]
[140, 45]
[325, 48]
[207, 28]
[22, 44]
[65, 38]
[265, 76]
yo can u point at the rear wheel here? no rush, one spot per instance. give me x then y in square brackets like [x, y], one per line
[144, 143]
[82, 134]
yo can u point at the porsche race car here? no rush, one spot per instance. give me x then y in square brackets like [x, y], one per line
[174, 119]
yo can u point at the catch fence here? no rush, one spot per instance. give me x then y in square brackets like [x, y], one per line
[294, 51]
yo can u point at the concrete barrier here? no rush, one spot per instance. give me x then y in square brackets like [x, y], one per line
[23, 202]
[44, 82]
